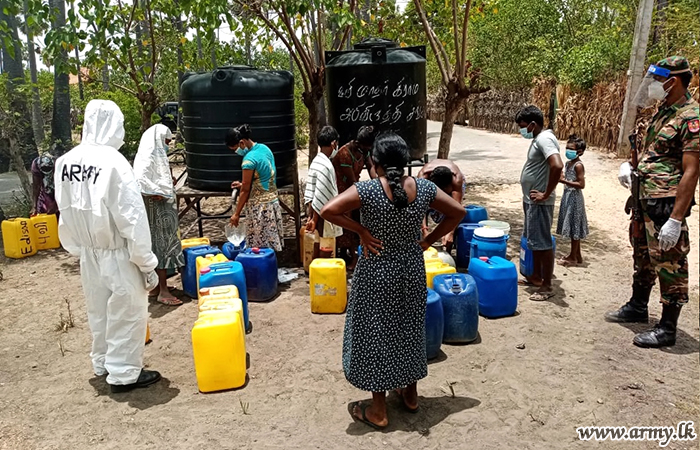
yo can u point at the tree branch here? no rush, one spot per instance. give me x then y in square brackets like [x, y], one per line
[154, 56]
[348, 28]
[465, 26]
[432, 39]
[455, 35]
[301, 50]
[285, 41]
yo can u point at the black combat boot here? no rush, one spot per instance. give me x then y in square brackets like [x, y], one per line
[664, 333]
[634, 310]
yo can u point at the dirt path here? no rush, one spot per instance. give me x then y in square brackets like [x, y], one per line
[575, 369]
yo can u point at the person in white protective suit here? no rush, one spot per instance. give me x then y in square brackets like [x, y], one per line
[152, 171]
[103, 220]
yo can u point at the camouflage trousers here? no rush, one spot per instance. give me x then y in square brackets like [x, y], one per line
[671, 267]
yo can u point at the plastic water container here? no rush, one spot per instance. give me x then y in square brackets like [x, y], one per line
[17, 238]
[434, 269]
[463, 240]
[226, 274]
[488, 242]
[230, 250]
[218, 348]
[434, 324]
[45, 231]
[307, 247]
[475, 214]
[222, 306]
[497, 224]
[526, 261]
[228, 292]
[189, 274]
[220, 279]
[431, 255]
[194, 242]
[460, 306]
[328, 284]
[497, 283]
[206, 261]
[260, 266]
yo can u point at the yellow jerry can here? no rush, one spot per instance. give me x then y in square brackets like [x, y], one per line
[193, 242]
[328, 283]
[228, 292]
[432, 269]
[218, 348]
[45, 231]
[17, 235]
[206, 261]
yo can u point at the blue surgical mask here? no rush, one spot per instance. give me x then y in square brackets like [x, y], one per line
[243, 151]
[526, 134]
[571, 154]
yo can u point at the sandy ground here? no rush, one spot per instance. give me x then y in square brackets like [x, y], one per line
[574, 370]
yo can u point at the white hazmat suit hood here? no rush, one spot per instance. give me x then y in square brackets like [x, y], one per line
[103, 220]
[151, 165]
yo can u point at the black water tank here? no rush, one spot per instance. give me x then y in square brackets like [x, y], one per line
[380, 84]
[213, 102]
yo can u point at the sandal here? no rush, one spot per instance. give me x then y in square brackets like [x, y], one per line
[169, 301]
[399, 392]
[363, 407]
[524, 282]
[541, 296]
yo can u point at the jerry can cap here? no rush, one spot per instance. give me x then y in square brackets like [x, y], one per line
[256, 250]
[204, 270]
[484, 258]
[209, 255]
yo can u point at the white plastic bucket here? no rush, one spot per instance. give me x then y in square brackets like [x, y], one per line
[496, 224]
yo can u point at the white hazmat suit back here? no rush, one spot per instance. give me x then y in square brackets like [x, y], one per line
[103, 220]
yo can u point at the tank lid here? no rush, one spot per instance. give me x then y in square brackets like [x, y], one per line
[489, 233]
[368, 43]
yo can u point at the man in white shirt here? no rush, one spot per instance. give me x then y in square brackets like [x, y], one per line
[321, 187]
[539, 179]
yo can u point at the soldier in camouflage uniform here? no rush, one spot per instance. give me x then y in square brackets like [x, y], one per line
[669, 164]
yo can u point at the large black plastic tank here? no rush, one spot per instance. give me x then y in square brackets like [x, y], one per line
[213, 102]
[380, 84]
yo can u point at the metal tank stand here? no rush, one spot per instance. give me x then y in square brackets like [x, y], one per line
[417, 163]
[193, 199]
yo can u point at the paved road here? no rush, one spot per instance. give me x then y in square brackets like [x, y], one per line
[8, 183]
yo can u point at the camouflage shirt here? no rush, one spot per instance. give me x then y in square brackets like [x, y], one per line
[673, 130]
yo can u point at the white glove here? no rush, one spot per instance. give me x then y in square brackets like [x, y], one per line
[669, 234]
[150, 279]
[625, 175]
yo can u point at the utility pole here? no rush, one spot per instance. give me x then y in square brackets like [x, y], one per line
[635, 74]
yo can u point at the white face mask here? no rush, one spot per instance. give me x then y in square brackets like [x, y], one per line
[657, 91]
[335, 151]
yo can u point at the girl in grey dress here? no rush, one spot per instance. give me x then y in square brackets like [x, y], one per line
[572, 222]
[384, 339]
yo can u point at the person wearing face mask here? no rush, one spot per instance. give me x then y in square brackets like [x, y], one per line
[258, 190]
[668, 170]
[572, 223]
[538, 179]
[103, 221]
[321, 187]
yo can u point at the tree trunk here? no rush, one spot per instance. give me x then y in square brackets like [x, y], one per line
[311, 101]
[37, 117]
[105, 77]
[81, 93]
[22, 172]
[60, 122]
[149, 104]
[453, 104]
[12, 65]
[660, 27]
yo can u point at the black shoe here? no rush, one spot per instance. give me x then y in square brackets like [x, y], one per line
[146, 378]
[657, 337]
[629, 313]
[664, 333]
[635, 310]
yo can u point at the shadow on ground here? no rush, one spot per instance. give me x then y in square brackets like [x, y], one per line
[433, 410]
